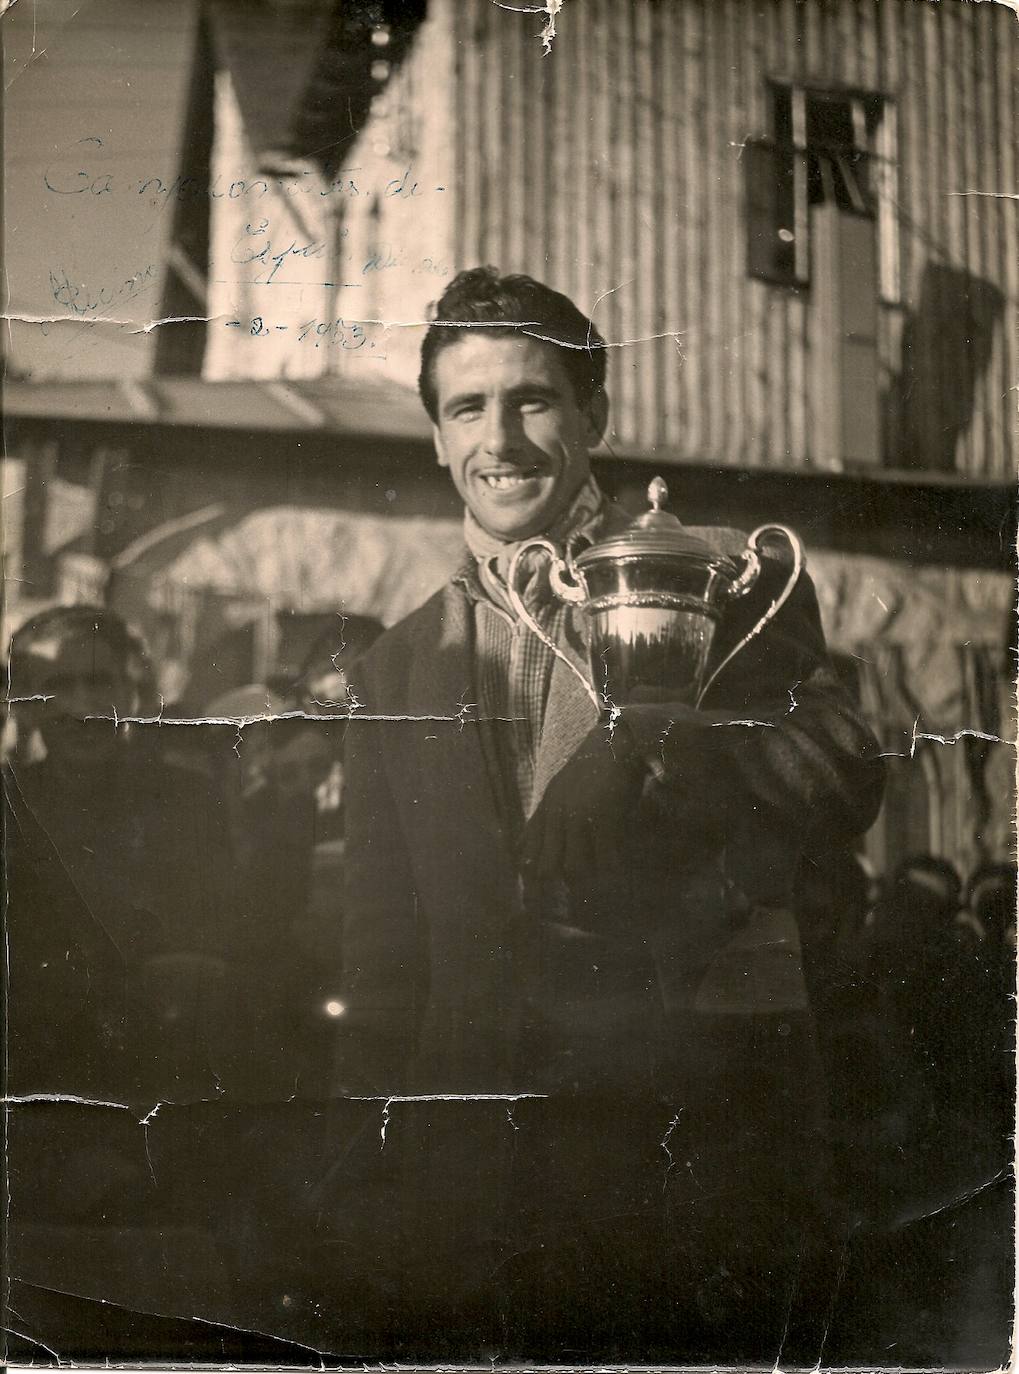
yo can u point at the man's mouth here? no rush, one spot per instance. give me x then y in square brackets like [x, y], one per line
[509, 481]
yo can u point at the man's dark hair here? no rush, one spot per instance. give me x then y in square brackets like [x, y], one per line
[511, 305]
[79, 621]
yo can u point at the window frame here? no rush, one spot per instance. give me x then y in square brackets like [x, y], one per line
[874, 120]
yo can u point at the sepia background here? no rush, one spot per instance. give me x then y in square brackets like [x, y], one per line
[793, 221]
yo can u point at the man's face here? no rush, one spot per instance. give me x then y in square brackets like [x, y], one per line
[81, 678]
[511, 432]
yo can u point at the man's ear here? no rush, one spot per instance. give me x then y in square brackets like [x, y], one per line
[440, 448]
[596, 415]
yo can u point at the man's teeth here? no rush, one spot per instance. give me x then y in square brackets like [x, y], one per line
[505, 481]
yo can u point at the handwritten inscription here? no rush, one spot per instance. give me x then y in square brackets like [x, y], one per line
[351, 335]
[84, 300]
[256, 245]
[261, 243]
[386, 257]
[82, 174]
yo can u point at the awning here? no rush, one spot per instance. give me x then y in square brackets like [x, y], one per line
[368, 408]
[288, 557]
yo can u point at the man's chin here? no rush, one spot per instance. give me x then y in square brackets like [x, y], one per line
[526, 520]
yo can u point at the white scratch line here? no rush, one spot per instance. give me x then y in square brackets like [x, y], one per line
[20, 318]
[460, 718]
[385, 1124]
[528, 327]
[664, 1144]
[390, 1098]
[27, 1099]
[17, 318]
[611, 291]
[716, 724]
[22, 1335]
[215, 1323]
[959, 735]
[177, 319]
[675, 334]
[551, 8]
[996, 195]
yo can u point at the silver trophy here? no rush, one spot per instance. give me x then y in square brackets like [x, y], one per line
[652, 597]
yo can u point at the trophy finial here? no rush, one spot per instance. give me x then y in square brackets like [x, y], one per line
[657, 493]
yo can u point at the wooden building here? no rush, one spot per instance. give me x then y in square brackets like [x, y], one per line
[782, 212]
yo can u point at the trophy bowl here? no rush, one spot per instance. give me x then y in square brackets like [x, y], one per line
[652, 597]
[650, 626]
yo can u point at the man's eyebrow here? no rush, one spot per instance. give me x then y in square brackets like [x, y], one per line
[460, 398]
[548, 389]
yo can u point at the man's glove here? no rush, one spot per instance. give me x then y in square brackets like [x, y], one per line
[664, 771]
[588, 817]
[692, 755]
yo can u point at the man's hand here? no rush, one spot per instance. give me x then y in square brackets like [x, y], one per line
[663, 765]
[588, 816]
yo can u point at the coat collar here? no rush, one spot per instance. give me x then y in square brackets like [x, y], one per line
[570, 714]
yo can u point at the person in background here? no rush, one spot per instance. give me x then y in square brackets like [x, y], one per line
[135, 846]
[862, 1065]
[117, 923]
[987, 1054]
[928, 967]
[323, 685]
[990, 903]
[309, 766]
[281, 778]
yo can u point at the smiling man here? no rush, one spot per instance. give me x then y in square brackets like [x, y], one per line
[572, 946]
[515, 426]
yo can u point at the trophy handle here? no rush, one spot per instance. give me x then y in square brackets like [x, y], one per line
[751, 573]
[566, 579]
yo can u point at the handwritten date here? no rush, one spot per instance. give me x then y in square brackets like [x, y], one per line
[351, 335]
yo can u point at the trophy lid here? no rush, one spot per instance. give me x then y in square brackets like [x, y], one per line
[655, 533]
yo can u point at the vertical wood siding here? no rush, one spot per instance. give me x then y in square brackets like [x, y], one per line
[612, 168]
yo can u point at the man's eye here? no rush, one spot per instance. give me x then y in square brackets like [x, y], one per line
[533, 405]
[467, 413]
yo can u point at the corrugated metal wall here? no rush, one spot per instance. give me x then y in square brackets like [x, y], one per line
[612, 167]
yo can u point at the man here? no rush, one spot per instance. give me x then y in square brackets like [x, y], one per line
[116, 894]
[588, 915]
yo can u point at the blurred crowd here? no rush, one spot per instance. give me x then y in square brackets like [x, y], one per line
[174, 889]
[912, 978]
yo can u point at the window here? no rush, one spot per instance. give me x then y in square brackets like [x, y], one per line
[823, 150]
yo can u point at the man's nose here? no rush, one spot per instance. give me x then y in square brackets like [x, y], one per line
[502, 431]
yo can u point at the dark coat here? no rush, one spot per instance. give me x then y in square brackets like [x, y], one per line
[449, 960]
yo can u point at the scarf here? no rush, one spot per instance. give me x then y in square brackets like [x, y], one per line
[493, 556]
